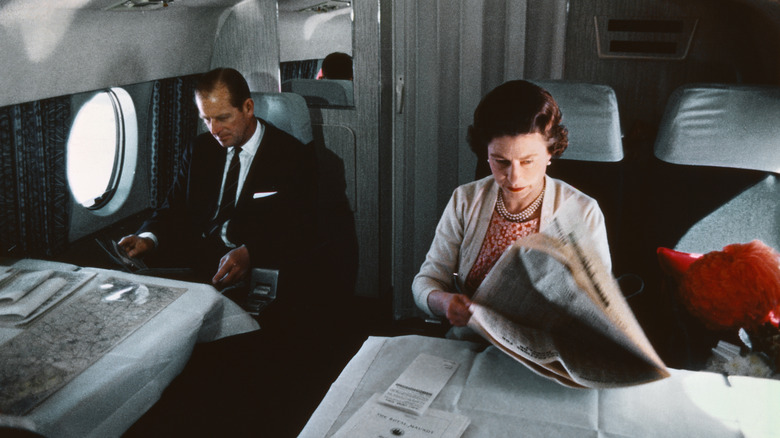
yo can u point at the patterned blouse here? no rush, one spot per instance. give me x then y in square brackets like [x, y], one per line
[500, 235]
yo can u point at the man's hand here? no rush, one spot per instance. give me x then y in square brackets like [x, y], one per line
[233, 267]
[136, 246]
[455, 307]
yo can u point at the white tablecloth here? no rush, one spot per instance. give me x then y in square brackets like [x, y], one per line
[505, 399]
[109, 396]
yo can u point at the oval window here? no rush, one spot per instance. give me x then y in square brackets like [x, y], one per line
[95, 150]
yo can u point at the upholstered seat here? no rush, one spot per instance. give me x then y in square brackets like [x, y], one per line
[321, 92]
[286, 111]
[333, 259]
[723, 146]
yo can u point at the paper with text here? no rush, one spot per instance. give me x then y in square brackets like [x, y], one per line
[375, 420]
[551, 303]
[415, 389]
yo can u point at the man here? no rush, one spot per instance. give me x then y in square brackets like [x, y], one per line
[273, 181]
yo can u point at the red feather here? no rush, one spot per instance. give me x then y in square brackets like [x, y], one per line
[736, 287]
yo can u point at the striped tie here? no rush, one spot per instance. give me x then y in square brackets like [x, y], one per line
[231, 184]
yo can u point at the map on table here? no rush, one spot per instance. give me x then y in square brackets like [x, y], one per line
[54, 349]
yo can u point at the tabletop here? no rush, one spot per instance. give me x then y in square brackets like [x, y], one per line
[122, 370]
[503, 398]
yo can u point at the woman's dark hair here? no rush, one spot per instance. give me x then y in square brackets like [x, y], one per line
[230, 78]
[515, 108]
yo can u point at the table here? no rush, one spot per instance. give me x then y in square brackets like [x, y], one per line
[503, 398]
[113, 392]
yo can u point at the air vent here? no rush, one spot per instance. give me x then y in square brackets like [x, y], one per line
[328, 6]
[635, 38]
[139, 5]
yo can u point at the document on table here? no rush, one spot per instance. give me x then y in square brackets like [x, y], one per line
[376, 420]
[402, 410]
[414, 390]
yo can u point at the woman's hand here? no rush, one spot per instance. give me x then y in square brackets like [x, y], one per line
[455, 307]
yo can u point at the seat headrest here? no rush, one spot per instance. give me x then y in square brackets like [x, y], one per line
[590, 113]
[335, 92]
[722, 125]
[286, 111]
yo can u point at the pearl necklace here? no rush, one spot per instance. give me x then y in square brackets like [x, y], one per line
[523, 215]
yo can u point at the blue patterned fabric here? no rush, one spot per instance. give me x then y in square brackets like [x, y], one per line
[174, 124]
[34, 197]
[303, 69]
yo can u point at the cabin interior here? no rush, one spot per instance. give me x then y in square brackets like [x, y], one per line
[399, 143]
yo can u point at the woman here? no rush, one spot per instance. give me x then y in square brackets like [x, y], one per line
[517, 130]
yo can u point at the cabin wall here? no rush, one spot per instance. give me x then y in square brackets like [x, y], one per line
[351, 135]
[57, 52]
[247, 40]
[83, 221]
[313, 37]
[60, 52]
[731, 44]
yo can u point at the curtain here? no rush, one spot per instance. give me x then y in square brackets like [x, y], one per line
[34, 198]
[174, 124]
[304, 69]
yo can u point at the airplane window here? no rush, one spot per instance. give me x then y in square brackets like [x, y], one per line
[96, 147]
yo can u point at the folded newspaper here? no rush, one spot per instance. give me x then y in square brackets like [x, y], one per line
[551, 303]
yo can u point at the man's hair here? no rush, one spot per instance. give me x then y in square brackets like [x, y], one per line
[230, 78]
[337, 65]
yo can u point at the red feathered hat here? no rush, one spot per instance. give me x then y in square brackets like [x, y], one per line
[736, 287]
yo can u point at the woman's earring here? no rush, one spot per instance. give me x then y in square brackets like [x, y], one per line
[549, 162]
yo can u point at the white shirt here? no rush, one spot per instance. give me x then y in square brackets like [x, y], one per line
[248, 151]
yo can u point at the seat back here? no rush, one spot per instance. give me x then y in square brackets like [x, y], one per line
[321, 92]
[723, 146]
[713, 182]
[286, 111]
[334, 257]
[590, 113]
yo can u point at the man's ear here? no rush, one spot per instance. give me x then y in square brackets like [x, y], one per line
[249, 105]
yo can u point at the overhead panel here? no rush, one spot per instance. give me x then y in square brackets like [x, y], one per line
[642, 38]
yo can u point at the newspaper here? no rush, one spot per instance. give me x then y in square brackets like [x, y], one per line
[551, 303]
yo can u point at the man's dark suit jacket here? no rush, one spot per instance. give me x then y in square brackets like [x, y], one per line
[277, 228]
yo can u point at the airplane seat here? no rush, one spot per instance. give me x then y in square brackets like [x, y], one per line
[286, 111]
[320, 92]
[332, 263]
[593, 161]
[590, 113]
[713, 182]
